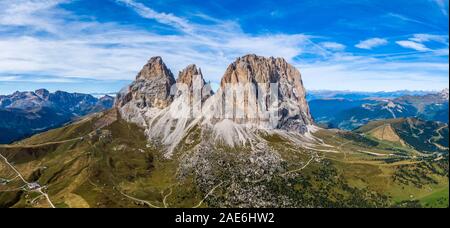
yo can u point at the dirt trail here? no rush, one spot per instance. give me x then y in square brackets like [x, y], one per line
[40, 145]
[207, 195]
[303, 167]
[139, 200]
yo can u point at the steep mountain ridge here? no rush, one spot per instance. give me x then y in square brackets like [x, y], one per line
[26, 113]
[355, 95]
[151, 88]
[350, 114]
[76, 103]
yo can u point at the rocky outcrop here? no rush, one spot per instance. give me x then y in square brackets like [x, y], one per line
[191, 78]
[292, 108]
[189, 74]
[152, 86]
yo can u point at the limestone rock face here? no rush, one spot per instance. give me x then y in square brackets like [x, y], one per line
[187, 75]
[192, 79]
[293, 110]
[151, 89]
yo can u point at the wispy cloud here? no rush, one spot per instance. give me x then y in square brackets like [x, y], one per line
[443, 6]
[8, 78]
[35, 79]
[421, 38]
[412, 45]
[371, 43]
[164, 18]
[416, 21]
[332, 46]
[31, 13]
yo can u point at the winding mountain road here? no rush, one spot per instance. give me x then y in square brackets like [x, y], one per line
[28, 184]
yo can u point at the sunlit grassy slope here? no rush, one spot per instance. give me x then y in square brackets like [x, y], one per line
[103, 161]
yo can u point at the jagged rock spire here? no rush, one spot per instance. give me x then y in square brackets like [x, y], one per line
[192, 78]
[151, 87]
[155, 68]
[187, 75]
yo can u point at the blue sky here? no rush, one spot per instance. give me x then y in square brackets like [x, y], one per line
[99, 46]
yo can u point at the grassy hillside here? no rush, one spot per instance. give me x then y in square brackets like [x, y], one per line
[84, 166]
[102, 161]
[424, 136]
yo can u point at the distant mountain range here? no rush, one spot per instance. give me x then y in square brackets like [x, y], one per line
[348, 114]
[355, 95]
[25, 113]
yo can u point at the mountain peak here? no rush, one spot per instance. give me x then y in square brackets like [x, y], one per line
[259, 69]
[151, 87]
[42, 93]
[253, 58]
[192, 78]
[188, 74]
[155, 68]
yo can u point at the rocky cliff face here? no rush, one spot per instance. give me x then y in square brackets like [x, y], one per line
[151, 89]
[292, 108]
[191, 78]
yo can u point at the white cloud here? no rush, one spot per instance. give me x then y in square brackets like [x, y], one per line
[368, 74]
[332, 46]
[441, 52]
[34, 79]
[8, 78]
[164, 18]
[422, 38]
[35, 14]
[371, 43]
[412, 45]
